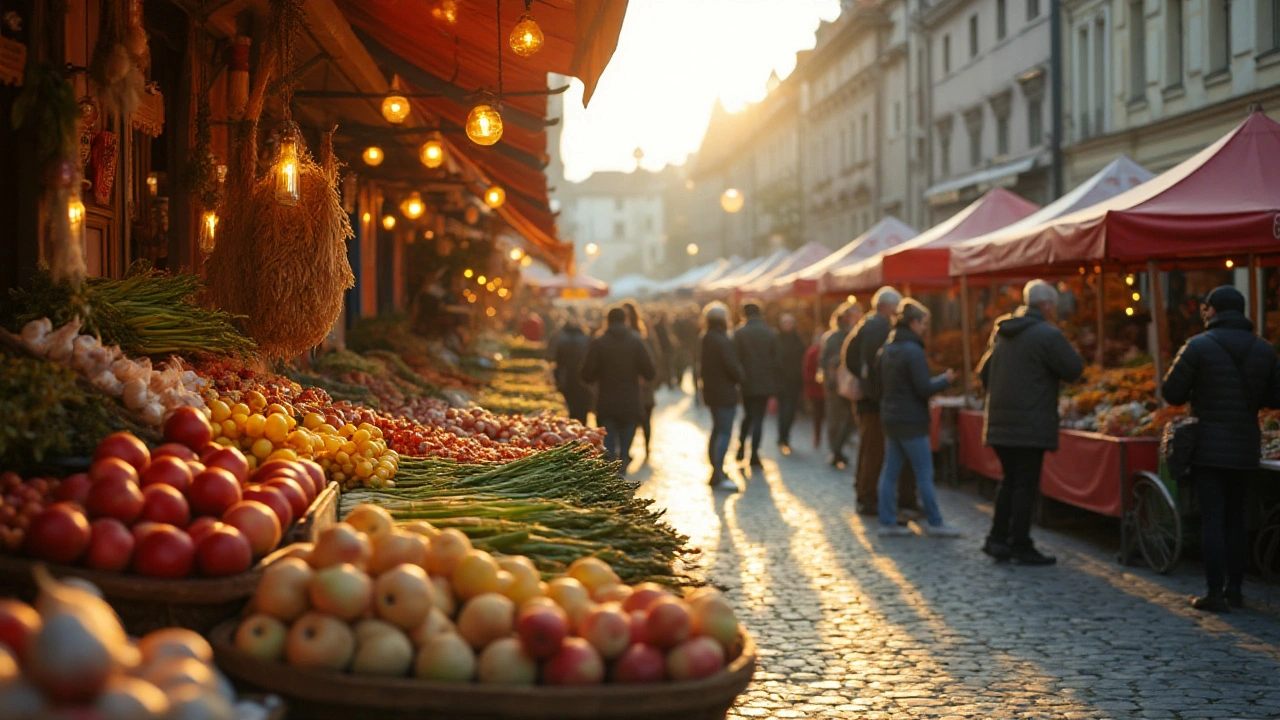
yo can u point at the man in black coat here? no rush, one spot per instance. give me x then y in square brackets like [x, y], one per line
[721, 375]
[1227, 374]
[1026, 359]
[617, 362]
[791, 348]
[757, 346]
[570, 350]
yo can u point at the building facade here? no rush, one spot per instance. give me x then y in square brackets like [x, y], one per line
[618, 221]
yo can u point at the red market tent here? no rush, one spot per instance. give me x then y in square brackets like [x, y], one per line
[925, 260]
[745, 274]
[887, 233]
[801, 258]
[1223, 200]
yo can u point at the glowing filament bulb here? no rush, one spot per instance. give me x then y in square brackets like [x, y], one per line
[484, 125]
[373, 156]
[389, 221]
[526, 37]
[495, 196]
[413, 207]
[287, 185]
[432, 153]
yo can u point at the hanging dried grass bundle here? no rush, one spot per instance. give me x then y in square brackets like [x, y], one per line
[119, 57]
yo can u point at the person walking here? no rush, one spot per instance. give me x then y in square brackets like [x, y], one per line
[648, 390]
[570, 348]
[904, 413]
[859, 357]
[813, 391]
[666, 349]
[721, 375]
[757, 346]
[1026, 359]
[1227, 374]
[839, 409]
[790, 384]
[686, 330]
[617, 362]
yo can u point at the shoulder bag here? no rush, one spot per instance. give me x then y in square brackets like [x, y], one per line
[1178, 439]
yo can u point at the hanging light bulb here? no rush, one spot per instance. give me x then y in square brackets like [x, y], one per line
[153, 184]
[484, 124]
[389, 221]
[413, 207]
[75, 215]
[395, 106]
[731, 200]
[526, 36]
[445, 12]
[208, 230]
[432, 153]
[495, 196]
[516, 254]
[287, 167]
[1231, 264]
[526, 261]
[468, 273]
[373, 156]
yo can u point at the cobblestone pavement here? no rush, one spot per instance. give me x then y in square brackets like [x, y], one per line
[852, 625]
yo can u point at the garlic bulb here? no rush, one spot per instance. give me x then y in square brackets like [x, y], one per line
[127, 370]
[135, 394]
[61, 341]
[107, 383]
[35, 336]
[153, 413]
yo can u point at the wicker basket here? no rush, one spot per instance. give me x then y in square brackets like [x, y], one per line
[320, 695]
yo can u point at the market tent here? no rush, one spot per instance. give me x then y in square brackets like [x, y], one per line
[579, 286]
[724, 268]
[632, 285]
[925, 260]
[799, 259]
[745, 273]
[692, 276]
[887, 233]
[1223, 200]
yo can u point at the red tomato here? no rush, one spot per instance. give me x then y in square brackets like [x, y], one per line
[164, 552]
[164, 504]
[213, 491]
[173, 449]
[317, 474]
[125, 446]
[110, 545]
[231, 460]
[168, 470]
[188, 426]
[258, 523]
[297, 499]
[115, 497]
[141, 529]
[60, 534]
[74, 489]
[110, 467]
[273, 498]
[223, 550]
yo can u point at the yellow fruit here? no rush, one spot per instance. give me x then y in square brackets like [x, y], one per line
[275, 427]
[229, 429]
[288, 418]
[364, 469]
[476, 574]
[255, 426]
[332, 443]
[256, 400]
[360, 436]
[347, 430]
[592, 572]
[219, 411]
[283, 454]
[224, 441]
[240, 409]
[349, 448]
[327, 429]
[275, 409]
[341, 458]
[253, 462]
[261, 448]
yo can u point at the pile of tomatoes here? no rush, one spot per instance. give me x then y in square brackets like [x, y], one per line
[22, 501]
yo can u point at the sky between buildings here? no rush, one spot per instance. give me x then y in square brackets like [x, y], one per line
[674, 58]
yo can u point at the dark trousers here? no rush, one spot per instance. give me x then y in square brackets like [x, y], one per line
[578, 409]
[718, 442]
[818, 405]
[754, 408]
[646, 427]
[788, 404]
[1224, 538]
[618, 439]
[1016, 499]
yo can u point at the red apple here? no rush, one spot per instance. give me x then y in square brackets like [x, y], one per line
[695, 659]
[112, 468]
[316, 473]
[59, 534]
[126, 447]
[644, 595]
[258, 523]
[19, 623]
[668, 623]
[208, 450]
[116, 497]
[196, 467]
[273, 498]
[141, 529]
[575, 663]
[164, 552]
[292, 492]
[223, 550]
[638, 618]
[608, 628]
[110, 545]
[164, 504]
[173, 449]
[213, 491]
[201, 527]
[542, 628]
[229, 459]
[74, 489]
[287, 469]
[167, 470]
[640, 663]
[188, 426]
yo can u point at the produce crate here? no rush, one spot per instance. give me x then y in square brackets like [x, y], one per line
[321, 695]
[322, 513]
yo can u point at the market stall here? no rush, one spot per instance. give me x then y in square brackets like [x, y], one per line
[799, 259]
[723, 286]
[889, 232]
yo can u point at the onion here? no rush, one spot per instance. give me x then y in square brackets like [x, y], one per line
[69, 661]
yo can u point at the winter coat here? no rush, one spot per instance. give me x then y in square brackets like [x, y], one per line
[1025, 361]
[570, 350]
[618, 363]
[649, 389]
[791, 364]
[757, 346]
[721, 371]
[812, 388]
[1204, 373]
[860, 351]
[906, 386]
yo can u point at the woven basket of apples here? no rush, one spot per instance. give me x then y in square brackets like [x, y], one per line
[177, 535]
[413, 622]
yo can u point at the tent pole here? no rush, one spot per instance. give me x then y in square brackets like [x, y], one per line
[1157, 317]
[1255, 307]
[1099, 352]
[966, 330]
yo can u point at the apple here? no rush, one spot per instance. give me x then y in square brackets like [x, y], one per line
[486, 618]
[229, 459]
[446, 550]
[570, 595]
[638, 629]
[258, 523]
[316, 473]
[59, 534]
[443, 597]
[188, 426]
[224, 550]
[196, 468]
[201, 527]
[262, 636]
[608, 628]
[174, 643]
[402, 595]
[370, 520]
[344, 591]
[575, 663]
[369, 627]
[695, 658]
[504, 662]
[319, 641]
[613, 592]
[167, 470]
[272, 498]
[286, 470]
[115, 496]
[340, 543]
[164, 504]
[165, 552]
[213, 491]
[283, 591]
[396, 548]
[447, 657]
[668, 623]
[292, 492]
[19, 623]
[124, 446]
[74, 488]
[141, 529]
[713, 617]
[435, 624]
[542, 627]
[110, 545]
[384, 653]
[592, 572]
[177, 450]
[524, 578]
[643, 596]
[423, 528]
[640, 663]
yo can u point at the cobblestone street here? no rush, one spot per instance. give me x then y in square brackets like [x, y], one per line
[853, 625]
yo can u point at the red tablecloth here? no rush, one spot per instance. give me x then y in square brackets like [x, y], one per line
[935, 428]
[1086, 471]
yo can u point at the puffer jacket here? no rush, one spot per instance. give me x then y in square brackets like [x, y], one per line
[906, 386]
[757, 346]
[1205, 374]
[617, 363]
[1025, 361]
[721, 371]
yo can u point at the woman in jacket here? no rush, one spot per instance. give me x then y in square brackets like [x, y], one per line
[721, 373]
[905, 389]
[648, 390]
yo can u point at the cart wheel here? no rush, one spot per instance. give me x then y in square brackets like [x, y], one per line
[1266, 549]
[1156, 522]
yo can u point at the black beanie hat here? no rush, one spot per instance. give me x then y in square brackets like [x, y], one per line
[1225, 297]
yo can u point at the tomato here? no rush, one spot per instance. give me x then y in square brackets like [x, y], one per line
[110, 545]
[164, 552]
[60, 534]
[213, 491]
[223, 550]
[316, 473]
[273, 498]
[74, 489]
[126, 447]
[231, 460]
[115, 497]
[164, 504]
[112, 468]
[292, 492]
[188, 426]
[168, 470]
[201, 526]
[173, 449]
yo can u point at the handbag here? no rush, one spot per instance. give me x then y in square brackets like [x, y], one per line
[848, 386]
[1178, 438]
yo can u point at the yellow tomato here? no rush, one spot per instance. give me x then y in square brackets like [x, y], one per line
[341, 457]
[275, 428]
[327, 429]
[275, 408]
[256, 400]
[219, 411]
[253, 463]
[224, 441]
[332, 443]
[283, 454]
[240, 409]
[360, 436]
[349, 448]
[261, 448]
[347, 430]
[255, 426]
[312, 420]
[229, 429]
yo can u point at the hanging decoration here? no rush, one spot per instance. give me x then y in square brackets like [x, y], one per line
[432, 153]
[120, 57]
[89, 127]
[412, 207]
[389, 222]
[526, 37]
[238, 76]
[373, 156]
[203, 173]
[395, 106]
[149, 116]
[484, 124]
[286, 169]
[102, 165]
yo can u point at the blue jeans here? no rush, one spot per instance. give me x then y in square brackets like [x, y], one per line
[915, 450]
[617, 441]
[721, 435]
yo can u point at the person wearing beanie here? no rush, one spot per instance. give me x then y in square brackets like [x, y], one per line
[617, 362]
[1227, 374]
[758, 351]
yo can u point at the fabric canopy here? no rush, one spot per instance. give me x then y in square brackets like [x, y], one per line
[693, 276]
[1223, 200]
[887, 233]
[745, 273]
[801, 258]
[578, 286]
[926, 258]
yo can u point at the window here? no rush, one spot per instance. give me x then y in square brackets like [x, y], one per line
[1099, 75]
[944, 154]
[1035, 120]
[946, 54]
[1033, 10]
[1219, 35]
[1001, 22]
[975, 146]
[1173, 43]
[1137, 52]
[619, 230]
[1268, 25]
[866, 137]
[1083, 96]
[973, 36]
[1002, 135]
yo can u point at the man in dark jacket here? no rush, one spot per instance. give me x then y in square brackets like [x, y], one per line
[666, 350]
[791, 349]
[838, 408]
[721, 374]
[757, 346]
[570, 350]
[1227, 374]
[1027, 357]
[859, 356]
[617, 362]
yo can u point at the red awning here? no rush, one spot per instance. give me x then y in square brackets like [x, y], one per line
[889, 232]
[1223, 200]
